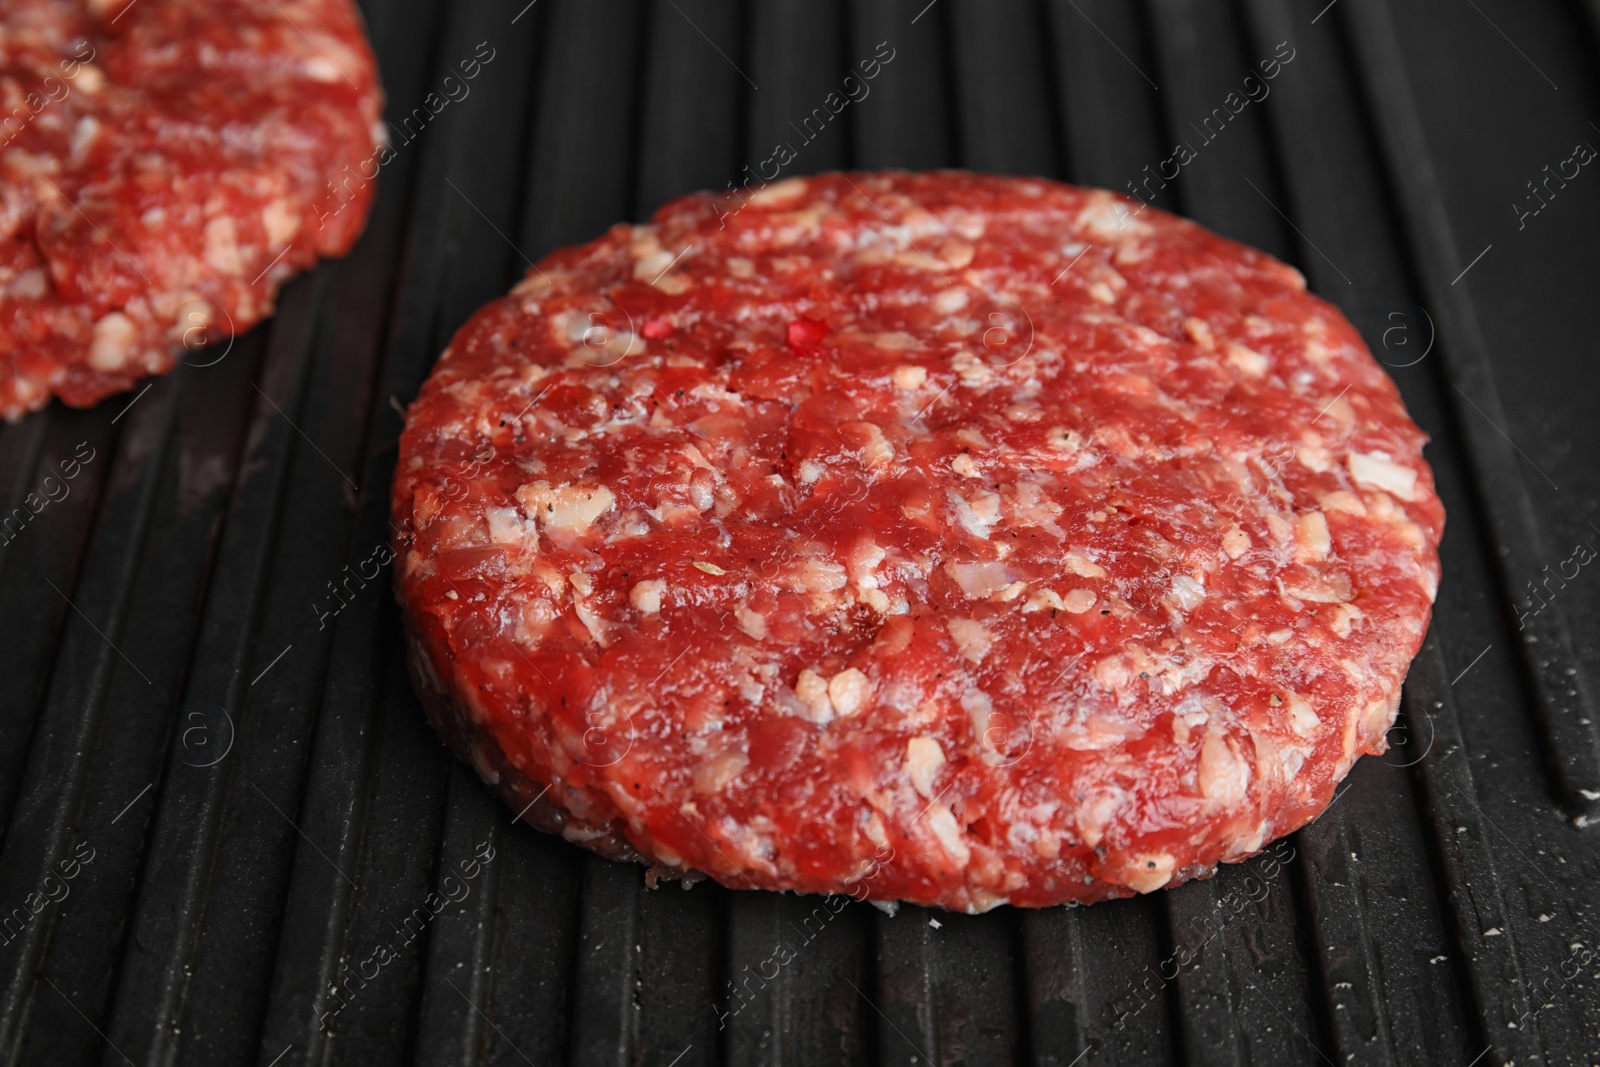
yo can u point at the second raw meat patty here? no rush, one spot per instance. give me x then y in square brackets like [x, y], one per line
[165, 165]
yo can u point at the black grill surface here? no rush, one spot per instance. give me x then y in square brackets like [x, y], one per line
[223, 814]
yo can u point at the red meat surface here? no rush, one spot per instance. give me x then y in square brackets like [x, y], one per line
[165, 165]
[945, 538]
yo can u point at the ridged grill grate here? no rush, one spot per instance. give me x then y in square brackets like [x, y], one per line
[218, 782]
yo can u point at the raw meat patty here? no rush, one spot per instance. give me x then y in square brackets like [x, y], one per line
[944, 538]
[164, 166]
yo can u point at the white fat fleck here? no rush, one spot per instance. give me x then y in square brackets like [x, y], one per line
[951, 300]
[956, 254]
[281, 222]
[646, 595]
[222, 246]
[778, 193]
[1151, 871]
[591, 621]
[872, 826]
[1342, 618]
[31, 164]
[30, 284]
[568, 509]
[320, 68]
[751, 622]
[944, 827]
[895, 341]
[1319, 353]
[652, 263]
[849, 691]
[1112, 672]
[533, 288]
[962, 464]
[506, 527]
[972, 437]
[714, 774]
[812, 689]
[972, 638]
[1079, 601]
[113, 340]
[1341, 412]
[979, 707]
[1311, 539]
[1044, 600]
[863, 561]
[1224, 777]
[979, 515]
[1380, 715]
[1350, 738]
[1328, 588]
[1428, 578]
[924, 757]
[1032, 505]
[809, 471]
[970, 369]
[1302, 719]
[1235, 542]
[1342, 500]
[1177, 676]
[1314, 458]
[193, 316]
[1079, 563]
[1062, 439]
[980, 580]
[1187, 592]
[1249, 843]
[1107, 217]
[821, 576]
[83, 135]
[1248, 360]
[1375, 471]
[91, 79]
[970, 224]
[877, 451]
[908, 377]
[1094, 816]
